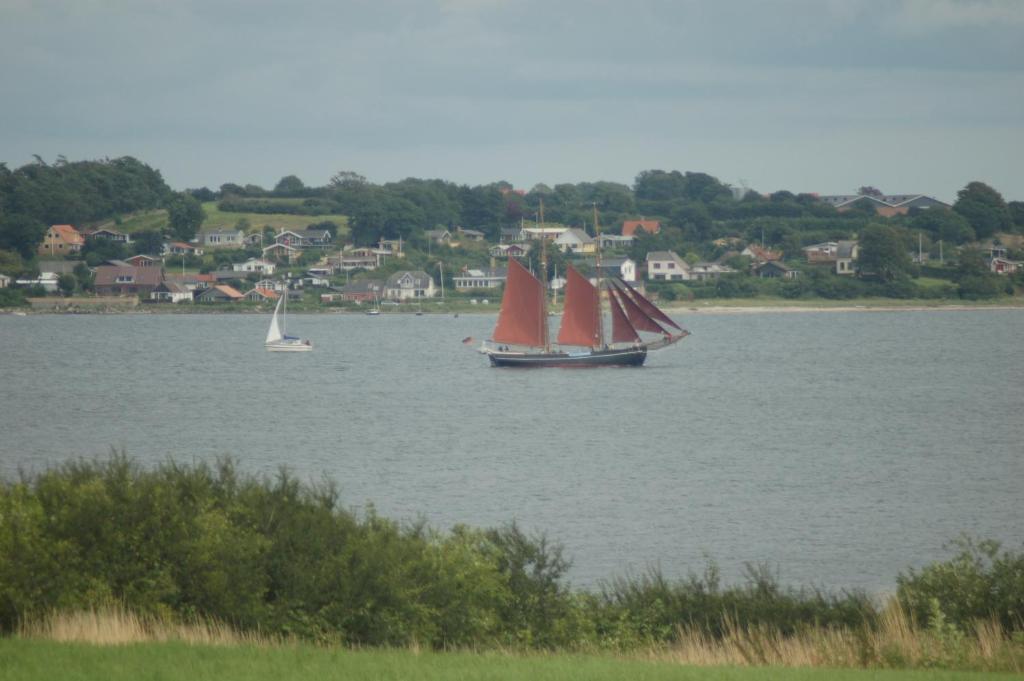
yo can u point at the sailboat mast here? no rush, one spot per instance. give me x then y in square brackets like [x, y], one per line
[544, 280]
[600, 315]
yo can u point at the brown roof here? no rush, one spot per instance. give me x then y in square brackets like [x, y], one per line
[230, 291]
[106, 275]
[67, 234]
[629, 227]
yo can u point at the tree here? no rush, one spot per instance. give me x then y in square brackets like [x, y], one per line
[11, 263]
[67, 283]
[1017, 214]
[148, 242]
[944, 224]
[868, 190]
[186, 215]
[984, 208]
[21, 233]
[289, 185]
[883, 252]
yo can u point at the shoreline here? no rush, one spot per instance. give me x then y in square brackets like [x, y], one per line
[770, 309]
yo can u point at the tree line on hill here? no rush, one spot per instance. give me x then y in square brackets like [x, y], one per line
[281, 557]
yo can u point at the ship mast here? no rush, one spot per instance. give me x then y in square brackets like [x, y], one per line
[544, 279]
[600, 316]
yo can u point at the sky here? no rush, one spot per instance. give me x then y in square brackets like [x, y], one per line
[817, 96]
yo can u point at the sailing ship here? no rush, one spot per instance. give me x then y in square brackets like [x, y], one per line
[521, 337]
[278, 339]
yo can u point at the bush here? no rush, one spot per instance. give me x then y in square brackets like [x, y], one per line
[978, 583]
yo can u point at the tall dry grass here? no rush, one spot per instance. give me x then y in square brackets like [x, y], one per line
[895, 642]
[118, 626]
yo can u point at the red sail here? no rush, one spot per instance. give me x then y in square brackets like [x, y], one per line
[637, 317]
[622, 330]
[523, 316]
[581, 321]
[648, 307]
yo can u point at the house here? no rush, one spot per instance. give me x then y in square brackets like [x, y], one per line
[773, 269]
[171, 292]
[182, 248]
[61, 240]
[631, 227]
[281, 252]
[847, 253]
[623, 268]
[109, 235]
[5, 281]
[260, 295]
[760, 254]
[614, 241]
[546, 232]
[821, 253]
[470, 234]
[575, 240]
[222, 238]
[367, 290]
[509, 235]
[391, 247]
[509, 250]
[359, 258]
[270, 284]
[1004, 266]
[666, 266]
[883, 205]
[219, 293]
[221, 276]
[125, 280]
[192, 282]
[303, 238]
[255, 265]
[314, 279]
[703, 271]
[408, 285]
[475, 278]
[253, 239]
[48, 280]
[144, 261]
[438, 236]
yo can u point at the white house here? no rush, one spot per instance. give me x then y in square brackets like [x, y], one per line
[171, 292]
[5, 281]
[509, 250]
[701, 271]
[667, 266]
[258, 265]
[847, 253]
[223, 238]
[473, 278]
[623, 268]
[409, 285]
[615, 241]
[575, 240]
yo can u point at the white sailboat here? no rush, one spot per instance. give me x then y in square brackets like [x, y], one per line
[278, 339]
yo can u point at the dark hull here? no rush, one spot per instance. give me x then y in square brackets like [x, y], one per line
[627, 357]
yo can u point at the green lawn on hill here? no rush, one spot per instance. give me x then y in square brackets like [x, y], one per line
[156, 220]
[22, 660]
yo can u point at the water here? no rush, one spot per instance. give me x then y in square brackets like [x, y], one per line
[840, 448]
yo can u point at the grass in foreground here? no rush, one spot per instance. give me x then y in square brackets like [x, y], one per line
[24, 660]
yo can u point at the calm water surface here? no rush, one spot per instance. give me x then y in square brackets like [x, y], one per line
[840, 448]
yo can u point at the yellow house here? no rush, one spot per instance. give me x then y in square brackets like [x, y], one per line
[61, 240]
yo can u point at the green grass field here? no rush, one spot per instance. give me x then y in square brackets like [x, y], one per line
[23, 660]
[156, 220]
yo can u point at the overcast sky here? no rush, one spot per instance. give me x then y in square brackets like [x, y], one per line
[806, 95]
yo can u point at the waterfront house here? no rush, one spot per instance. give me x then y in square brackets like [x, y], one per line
[122, 279]
[622, 268]
[360, 259]
[470, 279]
[258, 265]
[364, 291]
[109, 235]
[824, 252]
[144, 261]
[182, 248]
[636, 227]
[192, 282]
[666, 266]
[219, 293]
[1004, 266]
[703, 271]
[5, 281]
[171, 292]
[314, 279]
[409, 285]
[847, 253]
[260, 295]
[61, 240]
[222, 238]
[773, 269]
[508, 250]
[575, 240]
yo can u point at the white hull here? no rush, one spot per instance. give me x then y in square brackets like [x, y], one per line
[289, 347]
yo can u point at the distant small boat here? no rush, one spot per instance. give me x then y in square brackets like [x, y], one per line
[278, 339]
[375, 310]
